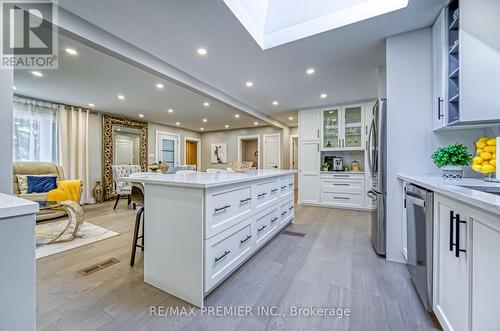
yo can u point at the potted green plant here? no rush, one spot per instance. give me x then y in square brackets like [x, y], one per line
[452, 159]
[324, 166]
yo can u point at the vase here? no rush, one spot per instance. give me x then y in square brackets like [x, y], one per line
[98, 192]
[453, 172]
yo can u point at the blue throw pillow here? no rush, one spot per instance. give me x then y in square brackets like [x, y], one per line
[41, 184]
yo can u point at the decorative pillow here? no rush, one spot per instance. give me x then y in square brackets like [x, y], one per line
[22, 182]
[41, 184]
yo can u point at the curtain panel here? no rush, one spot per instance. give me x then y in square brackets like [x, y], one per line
[73, 147]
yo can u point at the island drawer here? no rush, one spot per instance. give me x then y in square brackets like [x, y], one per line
[225, 208]
[265, 193]
[287, 186]
[265, 222]
[226, 251]
[286, 211]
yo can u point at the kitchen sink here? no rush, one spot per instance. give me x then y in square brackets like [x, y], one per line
[485, 189]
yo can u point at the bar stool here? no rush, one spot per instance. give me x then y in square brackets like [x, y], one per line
[136, 237]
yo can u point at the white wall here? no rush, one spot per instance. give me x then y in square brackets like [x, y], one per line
[410, 139]
[6, 82]
[95, 149]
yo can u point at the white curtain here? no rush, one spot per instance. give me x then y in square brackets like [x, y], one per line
[74, 146]
[35, 130]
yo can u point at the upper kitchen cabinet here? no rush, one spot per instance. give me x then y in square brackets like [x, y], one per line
[309, 123]
[343, 128]
[466, 63]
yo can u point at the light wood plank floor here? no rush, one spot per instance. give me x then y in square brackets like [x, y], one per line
[333, 266]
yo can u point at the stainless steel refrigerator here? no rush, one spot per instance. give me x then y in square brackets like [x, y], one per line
[377, 165]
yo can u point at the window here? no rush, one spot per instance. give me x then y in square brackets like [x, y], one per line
[35, 131]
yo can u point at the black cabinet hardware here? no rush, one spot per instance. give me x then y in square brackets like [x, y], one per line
[274, 220]
[262, 228]
[340, 184]
[261, 195]
[440, 115]
[245, 240]
[245, 200]
[291, 184]
[290, 208]
[222, 208]
[274, 190]
[341, 198]
[217, 259]
[457, 235]
[283, 187]
[283, 213]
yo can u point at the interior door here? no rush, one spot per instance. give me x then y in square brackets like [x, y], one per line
[191, 152]
[124, 152]
[167, 150]
[272, 151]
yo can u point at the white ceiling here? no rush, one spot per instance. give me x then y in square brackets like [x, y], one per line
[95, 77]
[345, 59]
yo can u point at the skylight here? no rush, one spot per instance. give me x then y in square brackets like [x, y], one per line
[275, 22]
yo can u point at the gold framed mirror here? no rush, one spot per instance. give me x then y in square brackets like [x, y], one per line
[124, 141]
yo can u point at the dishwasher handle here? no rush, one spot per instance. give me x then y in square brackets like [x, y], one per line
[415, 199]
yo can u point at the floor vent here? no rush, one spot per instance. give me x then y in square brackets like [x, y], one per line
[294, 233]
[98, 266]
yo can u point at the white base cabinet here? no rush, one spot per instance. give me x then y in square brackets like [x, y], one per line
[345, 190]
[466, 267]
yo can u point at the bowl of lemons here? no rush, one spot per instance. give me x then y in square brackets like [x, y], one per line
[485, 160]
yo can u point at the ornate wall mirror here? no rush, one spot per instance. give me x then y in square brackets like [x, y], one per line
[124, 141]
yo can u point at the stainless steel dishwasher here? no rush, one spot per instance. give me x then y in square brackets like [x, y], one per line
[419, 213]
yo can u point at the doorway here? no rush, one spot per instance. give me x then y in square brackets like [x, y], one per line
[192, 153]
[249, 150]
[167, 149]
[272, 151]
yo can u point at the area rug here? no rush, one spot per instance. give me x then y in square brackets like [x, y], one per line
[89, 233]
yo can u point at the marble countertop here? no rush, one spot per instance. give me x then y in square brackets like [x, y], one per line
[11, 206]
[204, 179]
[454, 189]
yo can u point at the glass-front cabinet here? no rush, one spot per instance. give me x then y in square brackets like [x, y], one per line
[343, 128]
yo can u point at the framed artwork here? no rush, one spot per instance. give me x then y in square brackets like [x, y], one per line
[218, 153]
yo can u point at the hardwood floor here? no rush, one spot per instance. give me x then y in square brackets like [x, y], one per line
[332, 266]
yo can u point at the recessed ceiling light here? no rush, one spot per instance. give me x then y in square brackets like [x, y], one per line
[202, 51]
[204, 120]
[201, 129]
[206, 104]
[249, 84]
[121, 97]
[159, 86]
[237, 116]
[226, 126]
[177, 123]
[275, 103]
[14, 88]
[290, 118]
[310, 71]
[37, 73]
[170, 110]
[91, 105]
[71, 51]
[255, 123]
[323, 95]
[141, 115]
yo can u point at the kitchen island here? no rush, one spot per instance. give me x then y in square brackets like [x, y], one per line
[200, 227]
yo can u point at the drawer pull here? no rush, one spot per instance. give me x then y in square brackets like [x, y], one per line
[217, 259]
[291, 184]
[245, 240]
[261, 195]
[222, 208]
[245, 200]
[342, 198]
[274, 190]
[274, 220]
[341, 176]
[341, 184]
[290, 208]
[283, 213]
[283, 187]
[262, 228]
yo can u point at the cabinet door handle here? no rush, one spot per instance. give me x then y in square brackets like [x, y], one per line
[262, 228]
[222, 208]
[274, 220]
[283, 213]
[217, 259]
[261, 195]
[274, 190]
[457, 236]
[439, 108]
[245, 200]
[245, 240]
[452, 218]
[291, 184]
[317, 132]
[283, 187]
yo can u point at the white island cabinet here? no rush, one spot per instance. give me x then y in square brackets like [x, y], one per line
[199, 228]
